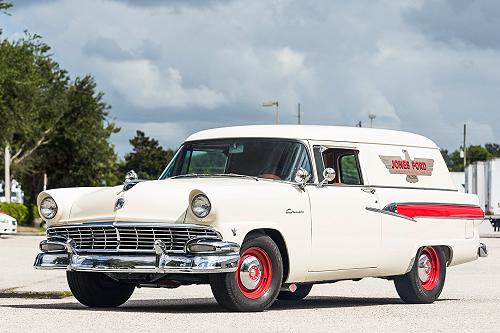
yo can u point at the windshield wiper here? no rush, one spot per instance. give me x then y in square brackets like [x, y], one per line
[234, 175]
[187, 175]
[195, 175]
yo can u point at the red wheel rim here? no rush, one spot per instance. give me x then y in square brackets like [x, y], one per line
[254, 274]
[428, 268]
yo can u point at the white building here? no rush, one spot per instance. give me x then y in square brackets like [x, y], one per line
[16, 193]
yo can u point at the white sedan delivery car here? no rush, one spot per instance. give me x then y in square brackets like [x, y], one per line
[265, 212]
[8, 224]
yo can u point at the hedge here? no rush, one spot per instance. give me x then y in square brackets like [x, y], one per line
[18, 211]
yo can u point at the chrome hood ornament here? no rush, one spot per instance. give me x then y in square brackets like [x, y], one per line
[131, 179]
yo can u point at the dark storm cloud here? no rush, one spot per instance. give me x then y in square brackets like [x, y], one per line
[174, 67]
[471, 22]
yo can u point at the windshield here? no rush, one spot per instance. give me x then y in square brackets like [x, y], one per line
[263, 158]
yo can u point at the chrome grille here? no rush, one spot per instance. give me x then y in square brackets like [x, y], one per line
[127, 238]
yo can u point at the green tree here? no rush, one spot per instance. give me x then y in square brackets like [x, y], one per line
[4, 6]
[475, 153]
[446, 156]
[32, 98]
[148, 158]
[79, 153]
[493, 149]
[453, 160]
[52, 124]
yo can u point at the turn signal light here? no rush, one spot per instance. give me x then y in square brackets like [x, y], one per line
[52, 247]
[201, 248]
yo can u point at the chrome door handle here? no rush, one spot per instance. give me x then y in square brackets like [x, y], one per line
[368, 190]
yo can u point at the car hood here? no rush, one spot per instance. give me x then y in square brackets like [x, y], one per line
[168, 201]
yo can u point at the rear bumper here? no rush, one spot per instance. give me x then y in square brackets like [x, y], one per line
[224, 259]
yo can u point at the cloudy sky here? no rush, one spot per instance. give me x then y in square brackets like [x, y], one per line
[174, 67]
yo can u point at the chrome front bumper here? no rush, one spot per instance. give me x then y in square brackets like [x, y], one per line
[223, 259]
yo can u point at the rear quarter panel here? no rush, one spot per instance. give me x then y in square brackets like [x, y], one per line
[401, 238]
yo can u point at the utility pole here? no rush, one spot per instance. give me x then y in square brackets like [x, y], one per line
[7, 173]
[465, 145]
[298, 113]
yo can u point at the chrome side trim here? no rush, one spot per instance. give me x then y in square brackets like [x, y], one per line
[382, 211]
[415, 188]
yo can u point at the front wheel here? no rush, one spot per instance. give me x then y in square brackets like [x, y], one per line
[98, 290]
[425, 281]
[257, 281]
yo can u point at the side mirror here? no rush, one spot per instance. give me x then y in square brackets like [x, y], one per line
[329, 175]
[302, 177]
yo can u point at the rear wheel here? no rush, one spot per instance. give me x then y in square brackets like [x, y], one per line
[301, 292]
[257, 281]
[425, 281]
[98, 290]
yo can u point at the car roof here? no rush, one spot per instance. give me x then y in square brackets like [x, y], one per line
[319, 133]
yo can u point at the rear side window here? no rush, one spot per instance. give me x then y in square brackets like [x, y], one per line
[349, 171]
[344, 161]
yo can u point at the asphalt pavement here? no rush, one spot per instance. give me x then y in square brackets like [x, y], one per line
[29, 302]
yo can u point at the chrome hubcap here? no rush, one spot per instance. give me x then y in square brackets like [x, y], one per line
[250, 272]
[424, 268]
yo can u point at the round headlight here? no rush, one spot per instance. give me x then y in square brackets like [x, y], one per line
[48, 208]
[200, 206]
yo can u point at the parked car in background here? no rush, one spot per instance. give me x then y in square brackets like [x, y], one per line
[8, 224]
[266, 212]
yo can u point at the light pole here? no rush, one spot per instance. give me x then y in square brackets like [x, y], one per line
[371, 116]
[276, 104]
